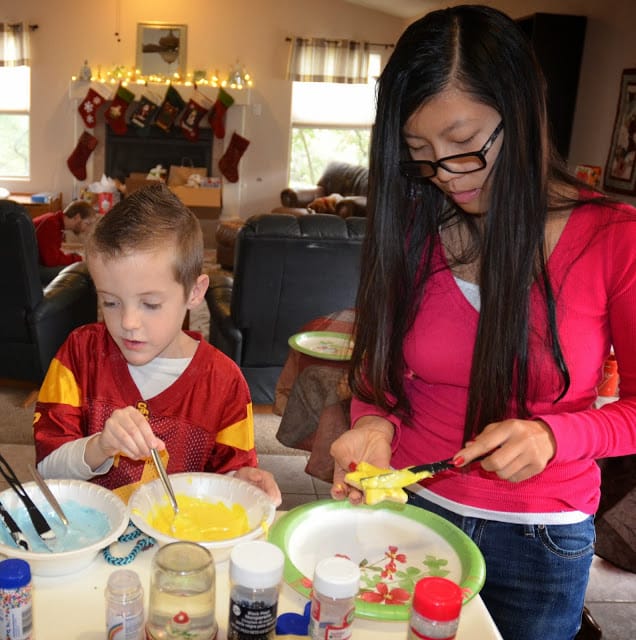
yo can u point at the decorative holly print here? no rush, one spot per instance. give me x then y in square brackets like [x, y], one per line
[390, 580]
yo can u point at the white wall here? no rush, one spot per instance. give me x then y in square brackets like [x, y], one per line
[219, 32]
[254, 31]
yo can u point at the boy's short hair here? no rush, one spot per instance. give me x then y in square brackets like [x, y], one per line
[84, 208]
[150, 218]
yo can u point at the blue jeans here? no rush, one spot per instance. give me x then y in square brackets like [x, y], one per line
[536, 575]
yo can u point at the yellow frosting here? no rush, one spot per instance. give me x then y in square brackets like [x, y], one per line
[199, 520]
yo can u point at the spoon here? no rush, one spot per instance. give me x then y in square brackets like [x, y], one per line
[167, 485]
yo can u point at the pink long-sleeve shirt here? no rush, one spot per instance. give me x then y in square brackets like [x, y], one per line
[593, 273]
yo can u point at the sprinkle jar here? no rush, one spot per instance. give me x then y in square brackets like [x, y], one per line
[16, 614]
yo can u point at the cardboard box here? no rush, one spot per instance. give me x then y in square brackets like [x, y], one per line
[198, 196]
[135, 181]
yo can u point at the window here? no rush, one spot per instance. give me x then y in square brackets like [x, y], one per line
[15, 102]
[330, 121]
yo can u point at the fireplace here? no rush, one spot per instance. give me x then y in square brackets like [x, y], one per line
[131, 152]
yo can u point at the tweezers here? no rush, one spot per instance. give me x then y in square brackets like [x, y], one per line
[39, 522]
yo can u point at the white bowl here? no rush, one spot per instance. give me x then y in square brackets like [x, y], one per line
[86, 494]
[212, 487]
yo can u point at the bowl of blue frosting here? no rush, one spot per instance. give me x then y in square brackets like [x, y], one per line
[96, 518]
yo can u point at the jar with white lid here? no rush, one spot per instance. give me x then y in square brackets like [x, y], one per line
[256, 573]
[335, 586]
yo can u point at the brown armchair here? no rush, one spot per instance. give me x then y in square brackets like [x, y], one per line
[339, 179]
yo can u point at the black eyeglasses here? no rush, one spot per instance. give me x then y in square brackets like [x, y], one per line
[460, 163]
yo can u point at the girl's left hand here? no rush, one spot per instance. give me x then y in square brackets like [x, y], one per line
[264, 480]
[513, 449]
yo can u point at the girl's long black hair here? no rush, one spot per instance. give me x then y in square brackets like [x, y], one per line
[482, 51]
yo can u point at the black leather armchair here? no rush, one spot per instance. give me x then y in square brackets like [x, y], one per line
[35, 321]
[288, 270]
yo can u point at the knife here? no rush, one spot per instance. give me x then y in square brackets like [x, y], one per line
[39, 522]
[408, 475]
[16, 533]
[48, 494]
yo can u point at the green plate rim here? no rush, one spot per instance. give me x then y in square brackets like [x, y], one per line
[472, 561]
[293, 343]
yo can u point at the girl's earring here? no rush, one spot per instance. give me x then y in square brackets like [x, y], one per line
[414, 190]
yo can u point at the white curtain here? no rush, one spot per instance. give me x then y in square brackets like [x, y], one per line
[321, 60]
[14, 44]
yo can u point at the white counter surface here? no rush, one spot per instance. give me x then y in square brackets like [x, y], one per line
[72, 607]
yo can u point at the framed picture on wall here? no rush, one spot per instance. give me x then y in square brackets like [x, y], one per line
[161, 49]
[620, 172]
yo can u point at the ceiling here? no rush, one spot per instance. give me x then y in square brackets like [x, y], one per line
[400, 8]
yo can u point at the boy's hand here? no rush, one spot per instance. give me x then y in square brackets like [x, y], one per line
[262, 479]
[126, 432]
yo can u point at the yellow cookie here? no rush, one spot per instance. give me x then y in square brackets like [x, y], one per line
[380, 484]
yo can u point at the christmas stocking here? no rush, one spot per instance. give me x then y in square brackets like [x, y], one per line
[197, 107]
[228, 164]
[89, 106]
[169, 110]
[77, 160]
[116, 112]
[142, 116]
[216, 118]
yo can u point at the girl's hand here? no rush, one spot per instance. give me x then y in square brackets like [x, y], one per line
[368, 441]
[514, 449]
[262, 479]
[127, 433]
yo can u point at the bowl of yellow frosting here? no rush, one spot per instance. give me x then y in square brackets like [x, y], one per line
[216, 511]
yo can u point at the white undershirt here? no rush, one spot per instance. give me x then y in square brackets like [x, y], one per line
[470, 291]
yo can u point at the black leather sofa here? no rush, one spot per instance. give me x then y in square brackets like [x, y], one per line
[348, 180]
[34, 320]
[288, 270]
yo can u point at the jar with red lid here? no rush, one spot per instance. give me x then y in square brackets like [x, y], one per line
[437, 603]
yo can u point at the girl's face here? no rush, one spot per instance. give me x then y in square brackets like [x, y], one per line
[143, 305]
[450, 123]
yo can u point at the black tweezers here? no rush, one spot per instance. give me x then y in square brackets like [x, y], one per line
[39, 522]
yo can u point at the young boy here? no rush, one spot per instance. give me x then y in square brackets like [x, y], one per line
[137, 381]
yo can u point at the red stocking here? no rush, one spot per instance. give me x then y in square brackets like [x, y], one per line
[192, 115]
[89, 106]
[216, 118]
[116, 112]
[228, 164]
[77, 160]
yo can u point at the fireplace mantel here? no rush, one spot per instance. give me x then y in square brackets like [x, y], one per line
[235, 121]
[78, 89]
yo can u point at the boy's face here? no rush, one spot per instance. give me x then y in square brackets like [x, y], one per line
[79, 225]
[143, 305]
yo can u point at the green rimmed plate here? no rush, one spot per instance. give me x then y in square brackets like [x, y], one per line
[395, 545]
[328, 345]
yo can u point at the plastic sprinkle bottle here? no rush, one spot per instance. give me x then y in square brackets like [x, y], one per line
[16, 613]
[437, 603]
[124, 606]
[335, 586]
[256, 572]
